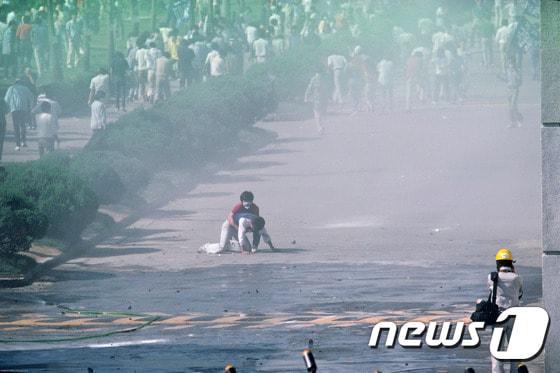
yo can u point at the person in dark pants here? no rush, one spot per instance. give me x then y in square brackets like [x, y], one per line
[3, 111]
[19, 100]
[185, 67]
[119, 69]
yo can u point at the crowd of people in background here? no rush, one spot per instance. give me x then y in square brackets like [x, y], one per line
[430, 60]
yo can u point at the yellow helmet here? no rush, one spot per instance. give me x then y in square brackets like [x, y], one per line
[504, 254]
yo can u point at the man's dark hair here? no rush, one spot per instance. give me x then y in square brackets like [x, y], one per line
[45, 107]
[258, 224]
[247, 196]
[504, 263]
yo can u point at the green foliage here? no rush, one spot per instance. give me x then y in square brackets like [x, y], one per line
[20, 223]
[15, 264]
[110, 174]
[67, 202]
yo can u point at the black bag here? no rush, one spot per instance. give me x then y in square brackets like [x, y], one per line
[488, 311]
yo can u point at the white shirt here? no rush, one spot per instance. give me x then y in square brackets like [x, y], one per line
[336, 61]
[100, 82]
[98, 115]
[260, 47]
[55, 107]
[251, 33]
[151, 58]
[439, 39]
[142, 59]
[502, 35]
[47, 126]
[217, 66]
[385, 70]
[10, 17]
[510, 289]
[210, 56]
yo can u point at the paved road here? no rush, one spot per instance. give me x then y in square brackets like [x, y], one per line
[383, 217]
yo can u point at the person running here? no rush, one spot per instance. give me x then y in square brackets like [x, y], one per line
[509, 292]
[337, 64]
[385, 78]
[513, 79]
[316, 94]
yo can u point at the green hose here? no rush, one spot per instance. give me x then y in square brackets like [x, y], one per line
[92, 336]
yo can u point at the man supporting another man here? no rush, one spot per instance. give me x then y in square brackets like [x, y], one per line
[244, 218]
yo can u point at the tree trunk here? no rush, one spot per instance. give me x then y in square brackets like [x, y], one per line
[153, 15]
[210, 27]
[55, 49]
[135, 17]
[193, 14]
[111, 22]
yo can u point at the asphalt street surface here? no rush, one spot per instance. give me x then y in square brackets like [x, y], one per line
[392, 216]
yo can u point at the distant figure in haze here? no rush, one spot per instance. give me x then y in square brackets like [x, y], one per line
[261, 50]
[40, 42]
[513, 77]
[19, 100]
[99, 83]
[9, 51]
[185, 63]
[415, 75]
[153, 54]
[23, 35]
[141, 58]
[3, 112]
[98, 113]
[385, 78]
[441, 62]
[502, 38]
[119, 70]
[56, 111]
[337, 64]
[317, 94]
[47, 128]
[74, 38]
[163, 72]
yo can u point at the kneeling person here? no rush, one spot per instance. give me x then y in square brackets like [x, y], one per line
[243, 218]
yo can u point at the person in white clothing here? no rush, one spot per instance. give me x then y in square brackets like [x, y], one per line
[385, 77]
[261, 50]
[251, 34]
[151, 58]
[47, 128]
[509, 292]
[55, 110]
[142, 70]
[217, 66]
[337, 64]
[99, 83]
[502, 38]
[98, 113]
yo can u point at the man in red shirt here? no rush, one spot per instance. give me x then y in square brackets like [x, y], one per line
[244, 218]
